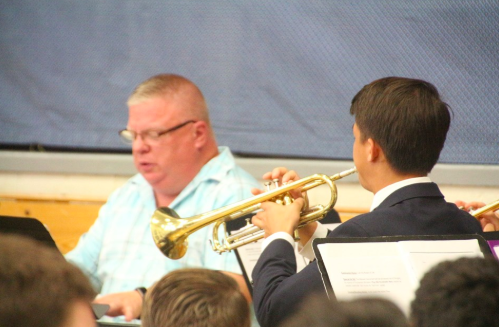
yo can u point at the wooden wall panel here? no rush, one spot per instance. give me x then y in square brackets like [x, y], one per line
[66, 220]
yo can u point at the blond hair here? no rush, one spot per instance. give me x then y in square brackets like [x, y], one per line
[169, 86]
[195, 298]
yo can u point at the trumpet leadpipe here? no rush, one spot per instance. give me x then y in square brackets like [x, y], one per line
[489, 207]
[333, 178]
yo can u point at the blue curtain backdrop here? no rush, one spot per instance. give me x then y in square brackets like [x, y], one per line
[278, 75]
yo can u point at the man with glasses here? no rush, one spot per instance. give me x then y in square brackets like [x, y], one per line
[181, 167]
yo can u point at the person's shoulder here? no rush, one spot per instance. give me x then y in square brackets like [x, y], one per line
[236, 182]
[367, 217]
[238, 173]
[464, 216]
[356, 226]
[225, 169]
[132, 187]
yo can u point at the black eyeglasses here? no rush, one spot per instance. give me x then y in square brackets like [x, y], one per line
[129, 136]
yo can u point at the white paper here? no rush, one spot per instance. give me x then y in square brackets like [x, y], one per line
[495, 248]
[420, 256]
[250, 253]
[387, 269]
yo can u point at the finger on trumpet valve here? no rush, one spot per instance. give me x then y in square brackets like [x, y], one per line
[276, 182]
[288, 199]
[267, 186]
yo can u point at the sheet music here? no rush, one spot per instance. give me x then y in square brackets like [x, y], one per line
[250, 253]
[422, 255]
[387, 269]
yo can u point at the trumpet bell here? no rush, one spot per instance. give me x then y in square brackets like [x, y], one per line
[166, 222]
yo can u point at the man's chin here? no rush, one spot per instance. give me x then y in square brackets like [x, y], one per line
[151, 177]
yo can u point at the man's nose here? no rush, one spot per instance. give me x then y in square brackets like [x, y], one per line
[139, 144]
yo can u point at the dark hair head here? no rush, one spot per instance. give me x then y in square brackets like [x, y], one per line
[460, 293]
[197, 298]
[407, 118]
[319, 311]
[37, 284]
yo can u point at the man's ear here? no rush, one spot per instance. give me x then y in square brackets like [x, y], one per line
[373, 150]
[200, 134]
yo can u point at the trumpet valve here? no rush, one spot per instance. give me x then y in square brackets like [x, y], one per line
[297, 235]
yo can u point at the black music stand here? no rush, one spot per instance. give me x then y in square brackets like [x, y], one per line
[29, 227]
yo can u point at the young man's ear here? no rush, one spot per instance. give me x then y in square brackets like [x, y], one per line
[373, 150]
[200, 134]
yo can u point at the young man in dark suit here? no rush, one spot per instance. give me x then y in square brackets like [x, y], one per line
[400, 128]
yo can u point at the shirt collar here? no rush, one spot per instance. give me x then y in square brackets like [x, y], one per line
[382, 194]
[215, 169]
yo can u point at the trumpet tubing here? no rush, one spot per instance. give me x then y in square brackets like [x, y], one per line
[493, 206]
[170, 232]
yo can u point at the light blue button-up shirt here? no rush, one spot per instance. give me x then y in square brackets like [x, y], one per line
[118, 252]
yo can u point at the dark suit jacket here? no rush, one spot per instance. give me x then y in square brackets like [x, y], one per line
[418, 209]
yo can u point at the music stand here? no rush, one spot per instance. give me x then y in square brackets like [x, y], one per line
[29, 227]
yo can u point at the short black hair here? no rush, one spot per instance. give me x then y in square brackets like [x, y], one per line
[407, 118]
[318, 311]
[460, 293]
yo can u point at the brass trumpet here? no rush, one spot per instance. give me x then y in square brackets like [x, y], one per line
[170, 232]
[493, 206]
